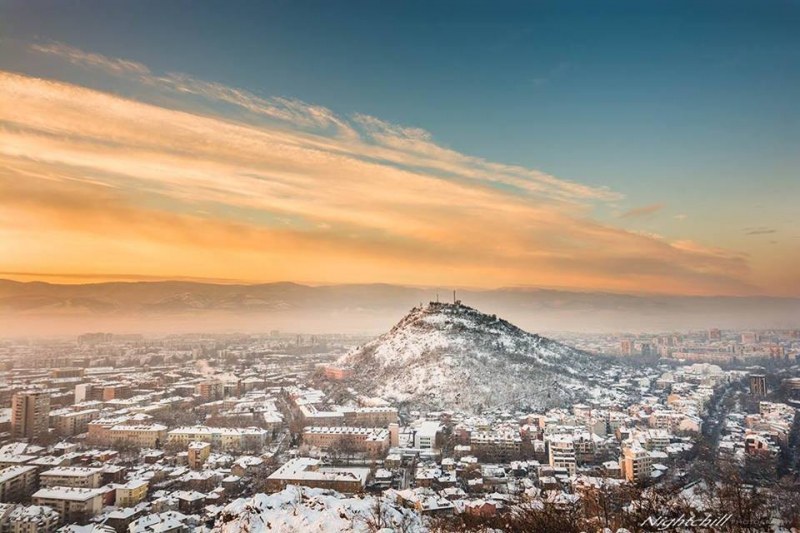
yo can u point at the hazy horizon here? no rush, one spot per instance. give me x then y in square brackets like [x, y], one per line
[162, 307]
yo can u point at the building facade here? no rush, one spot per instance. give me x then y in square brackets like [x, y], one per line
[30, 415]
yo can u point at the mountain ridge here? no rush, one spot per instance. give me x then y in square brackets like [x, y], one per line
[146, 306]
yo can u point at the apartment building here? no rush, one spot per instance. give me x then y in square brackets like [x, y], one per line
[113, 391]
[131, 493]
[496, 445]
[584, 444]
[311, 416]
[373, 441]
[657, 439]
[17, 482]
[210, 390]
[71, 476]
[143, 436]
[220, 438]
[307, 472]
[426, 434]
[30, 415]
[198, 452]
[337, 373]
[74, 505]
[99, 433]
[67, 423]
[374, 417]
[31, 519]
[635, 463]
[561, 452]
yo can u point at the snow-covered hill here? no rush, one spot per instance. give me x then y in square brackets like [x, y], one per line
[451, 356]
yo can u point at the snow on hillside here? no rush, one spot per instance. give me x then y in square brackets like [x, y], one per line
[453, 356]
[315, 511]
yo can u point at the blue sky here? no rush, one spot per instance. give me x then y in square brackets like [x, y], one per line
[690, 106]
[568, 87]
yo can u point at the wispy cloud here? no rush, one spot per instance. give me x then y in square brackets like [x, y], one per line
[644, 211]
[288, 190]
[759, 231]
[285, 109]
[88, 59]
[367, 136]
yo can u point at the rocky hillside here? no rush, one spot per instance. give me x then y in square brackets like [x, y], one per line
[453, 356]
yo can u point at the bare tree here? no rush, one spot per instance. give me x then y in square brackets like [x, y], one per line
[750, 507]
[343, 448]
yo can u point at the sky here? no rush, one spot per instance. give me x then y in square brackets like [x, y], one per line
[639, 147]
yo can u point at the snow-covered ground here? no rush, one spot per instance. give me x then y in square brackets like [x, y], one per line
[315, 511]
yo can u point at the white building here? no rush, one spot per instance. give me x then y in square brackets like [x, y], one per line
[561, 452]
[308, 472]
[220, 438]
[425, 435]
[32, 519]
[71, 476]
[72, 504]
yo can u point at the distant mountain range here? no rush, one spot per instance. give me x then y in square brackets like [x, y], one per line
[450, 356]
[180, 306]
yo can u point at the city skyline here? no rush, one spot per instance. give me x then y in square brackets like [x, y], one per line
[588, 159]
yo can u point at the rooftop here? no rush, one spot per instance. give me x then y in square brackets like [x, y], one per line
[72, 471]
[11, 472]
[306, 468]
[68, 493]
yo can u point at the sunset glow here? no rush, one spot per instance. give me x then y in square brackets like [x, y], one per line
[140, 174]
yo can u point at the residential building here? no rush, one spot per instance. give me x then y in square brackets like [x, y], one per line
[496, 445]
[374, 417]
[635, 463]
[30, 412]
[561, 452]
[32, 519]
[307, 472]
[210, 390]
[143, 436]
[198, 452]
[220, 438]
[373, 441]
[74, 505]
[71, 476]
[426, 434]
[131, 493]
[167, 522]
[337, 372]
[17, 482]
[67, 423]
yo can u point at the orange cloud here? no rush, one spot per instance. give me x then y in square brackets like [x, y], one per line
[644, 211]
[92, 182]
